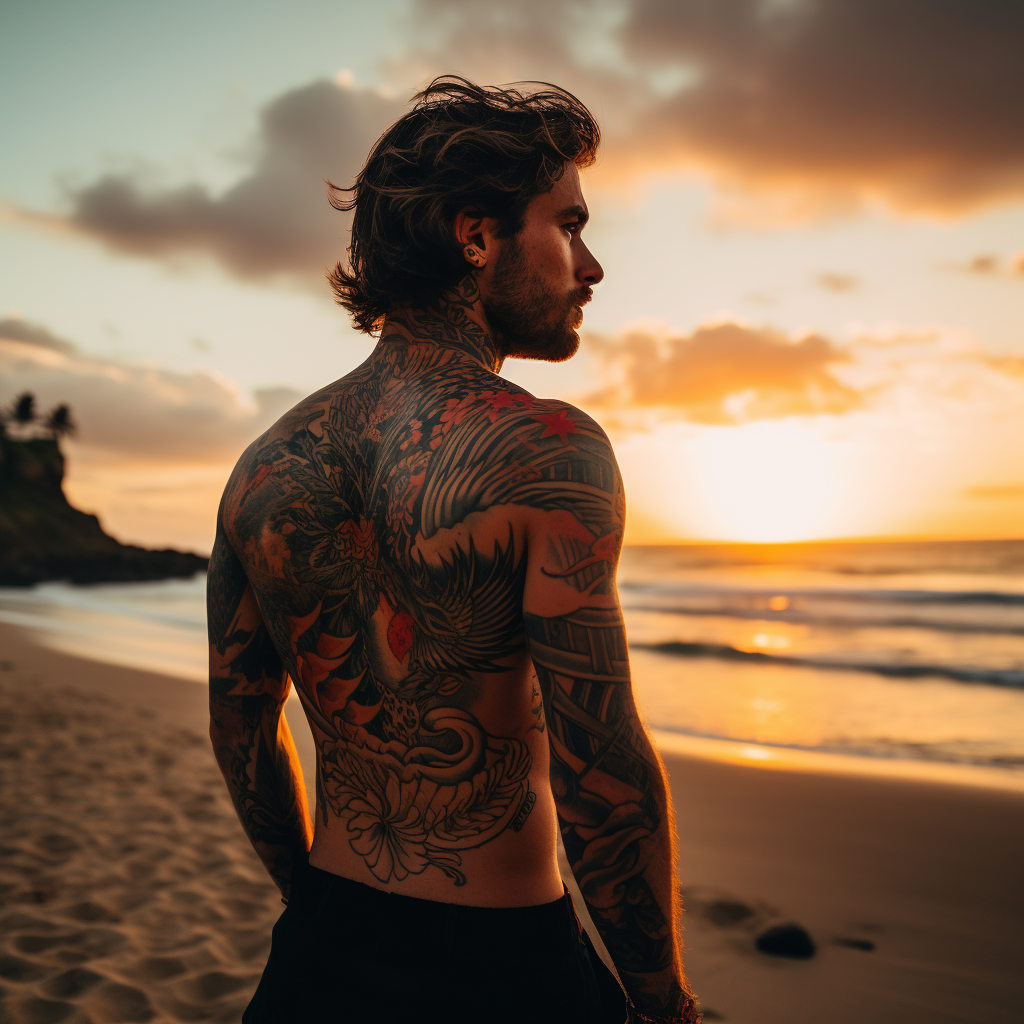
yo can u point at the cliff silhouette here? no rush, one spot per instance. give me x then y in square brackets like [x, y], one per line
[42, 537]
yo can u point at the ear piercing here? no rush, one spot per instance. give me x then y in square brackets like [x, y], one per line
[474, 257]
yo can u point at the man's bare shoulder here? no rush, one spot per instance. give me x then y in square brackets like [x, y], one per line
[496, 407]
[262, 480]
[433, 451]
[506, 447]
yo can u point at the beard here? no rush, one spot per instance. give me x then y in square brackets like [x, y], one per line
[529, 319]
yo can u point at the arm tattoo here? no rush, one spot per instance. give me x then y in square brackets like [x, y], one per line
[599, 770]
[247, 692]
[602, 776]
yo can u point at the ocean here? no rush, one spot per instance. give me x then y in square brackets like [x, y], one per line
[893, 653]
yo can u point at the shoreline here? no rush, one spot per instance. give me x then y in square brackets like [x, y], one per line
[775, 757]
[755, 754]
[123, 862]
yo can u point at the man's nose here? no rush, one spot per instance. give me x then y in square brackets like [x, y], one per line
[589, 271]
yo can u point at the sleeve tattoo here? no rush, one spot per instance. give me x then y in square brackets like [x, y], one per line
[602, 779]
[248, 687]
[609, 791]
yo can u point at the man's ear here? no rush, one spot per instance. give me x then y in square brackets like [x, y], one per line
[472, 227]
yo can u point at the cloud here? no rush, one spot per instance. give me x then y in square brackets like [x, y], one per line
[984, 265]
[920, 101]
[276, 220]
[988, 265]
[1012, 366]
[731, 373]
[793, 108]
[916, 102]
[16, 329]
[996, 492]
[138, 412]
[837, 282]
[726, 373]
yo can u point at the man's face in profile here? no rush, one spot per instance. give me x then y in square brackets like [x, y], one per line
[541, 279]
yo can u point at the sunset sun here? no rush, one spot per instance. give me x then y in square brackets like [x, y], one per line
[767, 482]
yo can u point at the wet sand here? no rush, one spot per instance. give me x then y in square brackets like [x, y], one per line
[129, 893]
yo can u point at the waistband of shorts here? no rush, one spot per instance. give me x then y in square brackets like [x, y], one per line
[328, 897]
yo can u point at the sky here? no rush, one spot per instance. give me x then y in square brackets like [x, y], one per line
[810, 214]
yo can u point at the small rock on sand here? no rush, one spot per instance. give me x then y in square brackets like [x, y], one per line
[786, 940]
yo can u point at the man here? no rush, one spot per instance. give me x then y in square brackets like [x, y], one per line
[428, 552]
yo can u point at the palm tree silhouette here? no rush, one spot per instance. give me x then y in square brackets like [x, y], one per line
[23, 410]
[60, 423]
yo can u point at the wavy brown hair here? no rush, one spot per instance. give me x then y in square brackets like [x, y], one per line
[462, 146]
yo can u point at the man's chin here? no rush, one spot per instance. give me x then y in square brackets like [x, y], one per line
[570, 346]
[549, 350]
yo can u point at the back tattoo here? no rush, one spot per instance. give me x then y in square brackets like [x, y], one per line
[347, 529]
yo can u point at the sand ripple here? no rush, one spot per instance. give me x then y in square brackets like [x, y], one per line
[127, 890]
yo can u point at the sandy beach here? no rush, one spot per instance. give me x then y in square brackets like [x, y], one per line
[129, 893]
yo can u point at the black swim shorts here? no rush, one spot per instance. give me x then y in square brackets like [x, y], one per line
[345, 952]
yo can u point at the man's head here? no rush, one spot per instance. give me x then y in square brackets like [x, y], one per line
[489, 167]
[535, 283]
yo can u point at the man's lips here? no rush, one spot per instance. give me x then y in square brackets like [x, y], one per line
[581, 298]
[578, 300]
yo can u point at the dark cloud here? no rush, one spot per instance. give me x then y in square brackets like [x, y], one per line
[726, 374]
[920, 102]
[16, 329]
[276, 219]
[141, 412]
[821, 103]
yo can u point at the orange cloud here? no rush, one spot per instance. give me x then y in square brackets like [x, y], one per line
[837, 282]
[727, 373]
[1012, 366]
[990, 265]
[996, 492]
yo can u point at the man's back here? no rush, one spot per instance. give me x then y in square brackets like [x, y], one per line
[429, 553]
[383, 526]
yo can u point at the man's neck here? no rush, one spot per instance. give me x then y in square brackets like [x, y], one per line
[456, 321]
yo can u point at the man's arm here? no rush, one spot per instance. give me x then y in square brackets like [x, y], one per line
[250, 735]
[609, 784]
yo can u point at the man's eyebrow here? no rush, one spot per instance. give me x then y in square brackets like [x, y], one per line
[580, 212]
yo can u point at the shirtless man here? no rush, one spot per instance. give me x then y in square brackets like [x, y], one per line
[428, 553]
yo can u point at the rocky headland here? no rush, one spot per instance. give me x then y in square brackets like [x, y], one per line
[42, 537]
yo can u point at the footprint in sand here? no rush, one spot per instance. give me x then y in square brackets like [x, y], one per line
[864, 945]
[116, 1002]
[747, 925]
[157, 968]
[16, 968]
[72, 983]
